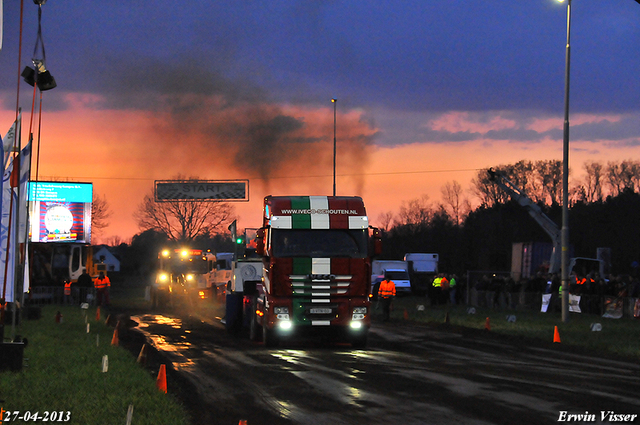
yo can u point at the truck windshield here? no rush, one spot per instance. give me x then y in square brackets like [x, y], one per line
[195, 266]
[319, 243]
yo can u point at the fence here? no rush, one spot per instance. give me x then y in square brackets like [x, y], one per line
[496, 290]
[41, 295]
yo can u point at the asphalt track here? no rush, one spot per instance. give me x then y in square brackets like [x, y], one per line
[408, 374]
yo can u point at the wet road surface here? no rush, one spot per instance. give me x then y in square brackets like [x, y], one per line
[407, 375]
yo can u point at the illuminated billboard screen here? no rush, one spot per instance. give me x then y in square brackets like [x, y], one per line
[60, 211]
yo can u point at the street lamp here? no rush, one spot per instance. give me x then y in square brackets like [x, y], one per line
[565, 177]
[334, 101]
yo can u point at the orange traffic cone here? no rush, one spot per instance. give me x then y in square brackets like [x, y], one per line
[142, 357]
[114, 339]
[161, 382]
[98, 314]
[556, 335]
[487, 324]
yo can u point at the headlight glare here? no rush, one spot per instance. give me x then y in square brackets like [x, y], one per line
[285, 325]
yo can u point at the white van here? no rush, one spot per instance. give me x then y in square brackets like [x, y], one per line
[400, 278]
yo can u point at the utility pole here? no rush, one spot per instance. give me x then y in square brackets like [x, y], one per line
[334, 101]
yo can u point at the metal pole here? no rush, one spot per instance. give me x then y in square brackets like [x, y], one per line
[334, 101]
[565, 178]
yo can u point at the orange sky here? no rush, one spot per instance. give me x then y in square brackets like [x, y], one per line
[123, 152]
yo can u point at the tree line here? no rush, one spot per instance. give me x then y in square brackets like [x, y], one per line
[603, 207]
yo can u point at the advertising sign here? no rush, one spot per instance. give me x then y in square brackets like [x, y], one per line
[60, 211]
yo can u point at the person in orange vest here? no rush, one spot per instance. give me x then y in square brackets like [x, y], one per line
[386, 293]
[67, 292]
[102, 285]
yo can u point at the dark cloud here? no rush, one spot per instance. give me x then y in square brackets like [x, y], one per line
[628, 127]
[413, 56]
[229, 121]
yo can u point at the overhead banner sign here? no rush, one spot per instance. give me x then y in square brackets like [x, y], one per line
[201, 190]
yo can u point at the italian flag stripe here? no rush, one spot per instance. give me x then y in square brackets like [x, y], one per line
[319, 203]
[300, 221]
[321, 265]
[301, 266]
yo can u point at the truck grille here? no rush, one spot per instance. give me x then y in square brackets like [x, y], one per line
[320, 287]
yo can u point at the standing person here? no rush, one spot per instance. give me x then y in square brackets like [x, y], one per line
[444, 290]
[84, 284]
[452, 289]
[102, 285]
[386, 293]
[436, 289]
[68, 299]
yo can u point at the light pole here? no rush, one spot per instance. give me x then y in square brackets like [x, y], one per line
[565, 177]
[334, 101]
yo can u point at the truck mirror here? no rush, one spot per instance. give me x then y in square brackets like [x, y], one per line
[376, 235]
[260, 242]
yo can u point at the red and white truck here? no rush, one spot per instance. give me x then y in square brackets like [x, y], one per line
[316, 257]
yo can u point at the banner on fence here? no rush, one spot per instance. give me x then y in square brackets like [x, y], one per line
[613, 307]
[546, 299]
[574, 303]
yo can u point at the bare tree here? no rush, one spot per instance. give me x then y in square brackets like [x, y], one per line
[115, 240]
[541, 181]
[590, 190]
[100, 213]
[486, 191]
[416, 212]
[183, 220]
[385, 219]
[523, 175]
[622, 176]
[455, 205]
[549, 174]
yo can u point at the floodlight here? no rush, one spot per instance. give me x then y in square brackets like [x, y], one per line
[43, 78]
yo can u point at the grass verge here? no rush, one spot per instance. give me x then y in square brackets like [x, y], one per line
[63, 372]
[620, 337]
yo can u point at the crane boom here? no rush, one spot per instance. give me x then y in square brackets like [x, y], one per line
[548, 225]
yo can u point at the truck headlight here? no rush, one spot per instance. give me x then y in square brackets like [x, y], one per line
[189, 277]
[359, 313]
[282, 314]
[285, 325]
